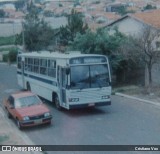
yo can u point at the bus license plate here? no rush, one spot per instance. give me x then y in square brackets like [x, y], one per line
[91, 104]
[38, 121]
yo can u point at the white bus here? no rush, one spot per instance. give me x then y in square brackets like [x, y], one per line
[72, 80]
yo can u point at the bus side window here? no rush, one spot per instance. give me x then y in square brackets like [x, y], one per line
[19, 63]
[36, 65]
[52, 68]
[58, 69]
[43, 66]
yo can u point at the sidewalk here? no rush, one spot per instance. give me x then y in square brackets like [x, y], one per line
[138, 99]
[5, 63]
[139, 94]
[11, 135]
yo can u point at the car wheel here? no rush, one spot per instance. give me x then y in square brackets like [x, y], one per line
[57, 103]
[18, 124]
[8, 114]
[49, 123]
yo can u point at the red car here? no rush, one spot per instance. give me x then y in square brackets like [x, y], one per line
[27, 109]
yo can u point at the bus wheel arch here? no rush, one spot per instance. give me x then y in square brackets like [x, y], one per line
[56, 100]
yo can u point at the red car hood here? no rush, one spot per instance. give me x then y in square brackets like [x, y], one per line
[32, 110]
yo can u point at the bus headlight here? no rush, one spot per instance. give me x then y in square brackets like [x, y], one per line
[73, 99]
[47, 114]
[25, 118]
[105, 97]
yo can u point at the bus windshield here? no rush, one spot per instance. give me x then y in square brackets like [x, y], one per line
[89, 76]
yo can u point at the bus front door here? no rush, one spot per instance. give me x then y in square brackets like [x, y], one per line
[22, 69]
[63, 82]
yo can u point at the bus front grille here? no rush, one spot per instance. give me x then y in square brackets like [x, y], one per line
[90, 96]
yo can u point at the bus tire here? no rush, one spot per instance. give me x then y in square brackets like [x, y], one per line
[57, 102]
[28, 86]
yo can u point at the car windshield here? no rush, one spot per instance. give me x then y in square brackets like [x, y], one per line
[89, 76]
[27, 101]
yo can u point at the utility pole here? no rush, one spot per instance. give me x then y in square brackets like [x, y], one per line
[23, 40]
[13, 33]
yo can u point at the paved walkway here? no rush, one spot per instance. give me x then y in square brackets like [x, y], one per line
[11, 135]
[144, 100]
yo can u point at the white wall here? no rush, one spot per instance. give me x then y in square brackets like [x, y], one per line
[129, 26]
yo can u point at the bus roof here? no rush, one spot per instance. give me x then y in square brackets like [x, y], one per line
[47, 54]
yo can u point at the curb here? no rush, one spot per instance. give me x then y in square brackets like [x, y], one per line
[19, 133]
[138, 99]
[3, 63]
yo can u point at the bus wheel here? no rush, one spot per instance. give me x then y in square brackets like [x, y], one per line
[28, 87]
[57, 103]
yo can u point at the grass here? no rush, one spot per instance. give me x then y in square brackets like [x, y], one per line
[130, 89]
[133, 90]
[3, 138]
[7, 40]
[7, 49]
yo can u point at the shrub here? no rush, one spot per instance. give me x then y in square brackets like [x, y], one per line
[7, 40]
[5, 57]
[12, 55]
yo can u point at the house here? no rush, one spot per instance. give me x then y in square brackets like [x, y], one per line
[56, 22]
[14, 14]
[115, 7]
[8, 6]
[133, 25]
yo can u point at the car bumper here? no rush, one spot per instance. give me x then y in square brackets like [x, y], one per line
[36, 122]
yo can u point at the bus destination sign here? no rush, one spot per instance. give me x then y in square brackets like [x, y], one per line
[88, 60]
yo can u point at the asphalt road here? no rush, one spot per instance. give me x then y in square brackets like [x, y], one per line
[125, 122]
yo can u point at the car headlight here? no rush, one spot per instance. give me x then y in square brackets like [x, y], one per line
[26, 118]
[47, 114]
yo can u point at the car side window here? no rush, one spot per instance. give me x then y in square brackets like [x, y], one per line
[11, 101]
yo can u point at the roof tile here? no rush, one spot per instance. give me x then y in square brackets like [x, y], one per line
[149, 17]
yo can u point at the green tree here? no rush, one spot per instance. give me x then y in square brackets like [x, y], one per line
[149, 7]
[86, 43]
[75, 25]
[37, 34]
[18, 39]
[12, 55]
[100, 42]
[123, 10]
[143, 49]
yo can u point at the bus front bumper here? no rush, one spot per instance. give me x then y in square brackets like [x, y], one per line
[89, 105]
